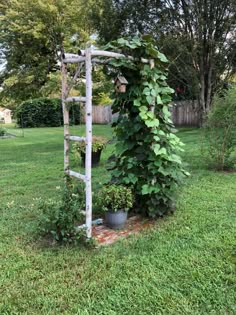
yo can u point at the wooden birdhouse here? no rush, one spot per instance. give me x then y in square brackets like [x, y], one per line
[120, 84]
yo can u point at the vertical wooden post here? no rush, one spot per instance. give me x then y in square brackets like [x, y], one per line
[65, 114]
[88, 142]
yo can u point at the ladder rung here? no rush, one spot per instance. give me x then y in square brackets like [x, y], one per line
[76, 99]
[75, 138]
[75, 174]
[69, 55]
[73, 59]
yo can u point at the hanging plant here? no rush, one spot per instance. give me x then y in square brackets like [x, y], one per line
[98, 144]
[146, 157]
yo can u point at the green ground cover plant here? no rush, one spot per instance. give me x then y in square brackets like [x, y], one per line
[60, 217]
[184, 265]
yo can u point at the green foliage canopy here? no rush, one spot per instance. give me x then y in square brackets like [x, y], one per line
[31, 36]
[198, 37]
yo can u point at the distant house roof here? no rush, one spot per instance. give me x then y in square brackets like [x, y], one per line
[4, 109]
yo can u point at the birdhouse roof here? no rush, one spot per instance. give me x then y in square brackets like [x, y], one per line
[121, 79]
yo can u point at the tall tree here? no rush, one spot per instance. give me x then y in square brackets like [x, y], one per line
[113, 18]
[31, 34]
[207, 29]
[198, 36]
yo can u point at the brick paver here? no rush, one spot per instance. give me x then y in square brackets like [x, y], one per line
[106, 236]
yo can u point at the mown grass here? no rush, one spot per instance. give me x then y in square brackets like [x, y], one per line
[184, 265]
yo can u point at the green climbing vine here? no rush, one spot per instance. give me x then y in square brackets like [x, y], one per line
[146, 157]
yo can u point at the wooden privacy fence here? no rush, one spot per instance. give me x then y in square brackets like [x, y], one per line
[101, 114]
[184, 113]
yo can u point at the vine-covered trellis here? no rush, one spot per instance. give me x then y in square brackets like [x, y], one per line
[146, 158]
[85, 58]
[147, 148]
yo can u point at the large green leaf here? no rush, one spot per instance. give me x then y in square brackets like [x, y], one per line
[161, 151]
[152, 123]
[166, 112]
[150, 99]
[137, 102]
[159, 100]
[162, 57]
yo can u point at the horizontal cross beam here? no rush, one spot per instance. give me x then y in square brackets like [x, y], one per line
[80, 57]
[76, 99]
[75, 138]
[76, 175]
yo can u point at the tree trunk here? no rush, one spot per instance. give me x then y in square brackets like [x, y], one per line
[209, 89]
[202, 87]
[205, 87]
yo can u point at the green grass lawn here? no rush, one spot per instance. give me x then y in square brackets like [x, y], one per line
[185, 265]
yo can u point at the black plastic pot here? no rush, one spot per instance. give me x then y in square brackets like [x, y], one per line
[116, 220]
[96, 156]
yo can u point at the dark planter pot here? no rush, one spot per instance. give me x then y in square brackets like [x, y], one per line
[116, 220]
[96, 156]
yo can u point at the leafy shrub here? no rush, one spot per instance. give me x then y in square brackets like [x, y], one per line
[219, 131]
[3, 131]
[102, 98]
[114, 198]
[147, 149]
[44, 112]
[59, 218]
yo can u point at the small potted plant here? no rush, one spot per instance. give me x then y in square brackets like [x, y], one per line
[115, 201]
[98, 144]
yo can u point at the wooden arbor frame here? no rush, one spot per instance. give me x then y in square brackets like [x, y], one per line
[84, 58]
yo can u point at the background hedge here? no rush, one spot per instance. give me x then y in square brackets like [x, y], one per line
[44, 112]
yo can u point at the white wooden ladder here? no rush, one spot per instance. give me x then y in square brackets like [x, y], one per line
[88, 138]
